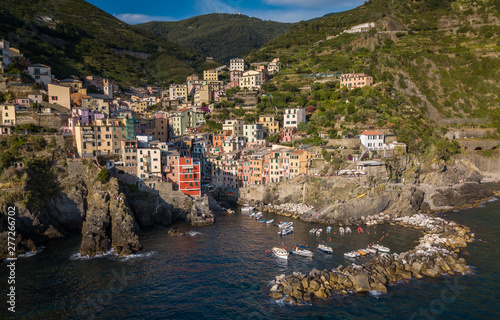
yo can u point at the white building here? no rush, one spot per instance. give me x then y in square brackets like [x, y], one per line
[237, 64]
[361, 28]
[253, 132]
[251, 80]
[235, 126]
[41, 73]
[372, 140]
[274, 67]
[148, 163]
[293, 117]
[178, 92]
[4, 54]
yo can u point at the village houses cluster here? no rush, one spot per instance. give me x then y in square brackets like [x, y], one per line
[151, 145]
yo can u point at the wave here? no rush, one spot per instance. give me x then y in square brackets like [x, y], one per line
[375, 293]
[79, 256]
[194, 233]
[26, 254]
[138, 255]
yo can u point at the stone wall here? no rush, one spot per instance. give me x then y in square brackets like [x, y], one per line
[51, 120]
[469, 133]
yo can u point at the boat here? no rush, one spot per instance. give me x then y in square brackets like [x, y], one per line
[247, 208]
[381, 249]
[258, 215]
[230, 211]
[360, 230]
[270, 221]
[362, 252]
[319, 231]
[280, 252]
[313, 230]
[302, 251]
[284, 232]
[348, 230]
[263, 220]
[351, 254]
[370, 250]
[329, 229]
[341, 231]
[252, 215]
[325, 249]
[284, 225]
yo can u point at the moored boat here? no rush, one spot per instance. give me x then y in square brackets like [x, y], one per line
[362, 252]
[284, 225]
[325, 249]
[284, 232]
[313, 230]
[302, 251]
[270, 221]
[263, 220]
[351, 254]
[319, 231]
[230, 211]
[381, 249]
[348, 230]
[258, 215]
[341, 231]
[329, 229]
[280, 252]
[252, 215]
[370, 250]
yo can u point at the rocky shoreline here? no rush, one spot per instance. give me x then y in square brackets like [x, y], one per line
[436, 254]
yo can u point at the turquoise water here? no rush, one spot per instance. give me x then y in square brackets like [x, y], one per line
[224, 273]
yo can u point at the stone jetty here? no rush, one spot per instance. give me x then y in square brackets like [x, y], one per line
[436, 254]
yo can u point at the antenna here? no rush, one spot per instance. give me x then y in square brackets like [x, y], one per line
[237, 9]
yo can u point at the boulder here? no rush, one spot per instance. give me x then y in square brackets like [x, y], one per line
[308, 296]
[276, 295]
[360, 283]
[320, 294]
[416, 267]
[287, 290]
[291, 300]
[297, 294]
[305, 283]
[430, 272]
[314, 285]
[378, 287]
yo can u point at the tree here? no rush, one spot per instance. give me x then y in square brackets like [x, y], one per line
[103, 175]
[38, 142]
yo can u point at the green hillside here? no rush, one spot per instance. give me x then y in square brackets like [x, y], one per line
[221, 36]
[75, 37]
[435, 65]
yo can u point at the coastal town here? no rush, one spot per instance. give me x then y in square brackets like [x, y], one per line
[152, 135]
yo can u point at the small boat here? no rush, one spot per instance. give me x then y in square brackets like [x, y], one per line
[362, 252]
[258, 215]
[284, 225]
[370, 250]
[284, 232]
[313, 230]
[341, 231]
[270, 221]
[360, 230]
[230, 211]
[247, 208]
[319, 231]
[302, 251]
[325, 249]
[351, 254]
[280, 252]
[329, 229]
[381, 249]
[252, 215]
[348, 230]
[263, 220]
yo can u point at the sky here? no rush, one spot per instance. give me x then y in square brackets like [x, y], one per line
[133, 11]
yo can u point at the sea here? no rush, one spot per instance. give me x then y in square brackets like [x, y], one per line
[225, 271]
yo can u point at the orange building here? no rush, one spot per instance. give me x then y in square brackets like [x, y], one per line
[189, 177]
[219, 137]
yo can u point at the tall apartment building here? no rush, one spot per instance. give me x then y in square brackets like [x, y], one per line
[60, 95]
[293, 117]
[251, 80]
[270, 125]
[235, 126]
[41, 73]
[148, 163]
[237, 64]
[253, 132]
[210, 75]
[178, 92]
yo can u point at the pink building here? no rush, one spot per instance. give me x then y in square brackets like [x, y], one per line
[23, 102]
[287, 134]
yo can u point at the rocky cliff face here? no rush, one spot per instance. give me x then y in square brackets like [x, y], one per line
[109, 216]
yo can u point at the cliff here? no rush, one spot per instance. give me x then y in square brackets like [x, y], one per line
[108, 215]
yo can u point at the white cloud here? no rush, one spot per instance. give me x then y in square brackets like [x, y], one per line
[135, 18]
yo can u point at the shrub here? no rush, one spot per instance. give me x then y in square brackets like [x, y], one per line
[103, 175]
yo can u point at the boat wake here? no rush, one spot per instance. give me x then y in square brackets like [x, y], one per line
[194, 233]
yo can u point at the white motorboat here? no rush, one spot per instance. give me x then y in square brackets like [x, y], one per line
[325, 249]
[329, 229]
[348, 230]
[319, 231]
[280, 252]
[285, 225]
[381, 249]
[258, 215]
[247, 209]
[252, 215]
[270, 221]
[313, 230]
[302, 251]
[341, 231]
[284, 232]
[351, 254]
[370, 250]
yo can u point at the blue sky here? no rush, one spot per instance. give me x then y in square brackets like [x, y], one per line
[133, 11]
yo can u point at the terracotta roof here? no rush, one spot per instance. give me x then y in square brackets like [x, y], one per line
[298, 152]
[370, 133]
[185, 109]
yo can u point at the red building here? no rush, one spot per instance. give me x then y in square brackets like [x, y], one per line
[188, 172]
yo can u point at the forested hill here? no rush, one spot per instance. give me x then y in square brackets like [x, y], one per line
[441, 55]
[221, 36]
[74, 37]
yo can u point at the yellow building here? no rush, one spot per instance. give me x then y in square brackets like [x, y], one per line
[270, 125]
[299, 162]
[8, 115]
[140, 107]
[60, 95]
[210, 75]
[100, 137]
